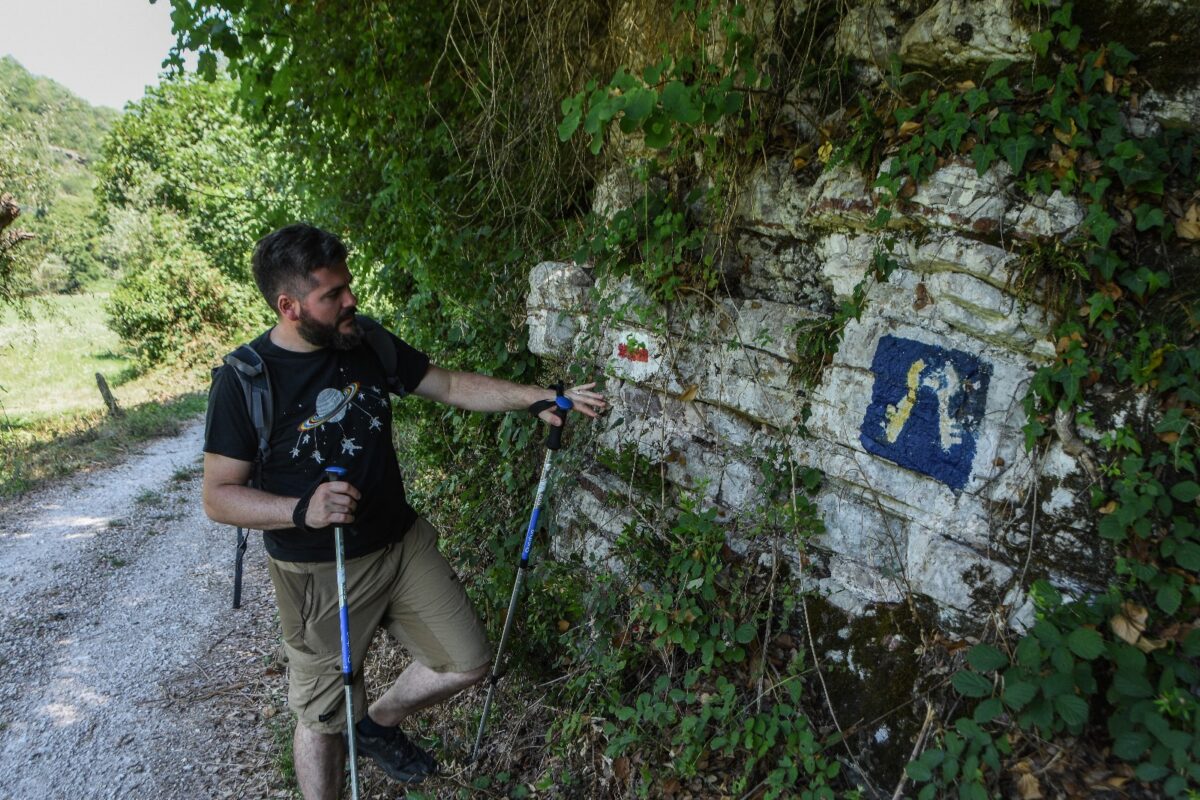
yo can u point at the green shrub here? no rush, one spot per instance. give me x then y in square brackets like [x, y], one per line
[172, 304]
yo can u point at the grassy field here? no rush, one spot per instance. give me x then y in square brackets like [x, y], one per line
[48, 364]
[53, 420]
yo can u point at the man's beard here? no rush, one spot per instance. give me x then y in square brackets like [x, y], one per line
[321, 335]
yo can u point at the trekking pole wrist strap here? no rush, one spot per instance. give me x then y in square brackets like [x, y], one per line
[300, 512]
[541, 405]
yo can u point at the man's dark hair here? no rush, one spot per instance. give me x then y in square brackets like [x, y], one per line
[285, 260]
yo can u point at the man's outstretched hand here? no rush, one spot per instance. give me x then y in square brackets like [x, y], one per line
[585, 401]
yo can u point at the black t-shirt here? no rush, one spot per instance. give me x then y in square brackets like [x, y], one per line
[331, 408]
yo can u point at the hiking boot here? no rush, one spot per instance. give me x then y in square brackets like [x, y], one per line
[402, 760]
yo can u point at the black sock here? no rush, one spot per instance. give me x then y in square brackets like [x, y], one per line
[369, 727]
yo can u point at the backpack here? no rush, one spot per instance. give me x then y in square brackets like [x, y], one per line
[251, 371]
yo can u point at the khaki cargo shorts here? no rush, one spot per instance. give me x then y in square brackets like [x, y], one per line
[408, 588]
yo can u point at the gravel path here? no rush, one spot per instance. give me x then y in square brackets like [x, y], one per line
[127, 674]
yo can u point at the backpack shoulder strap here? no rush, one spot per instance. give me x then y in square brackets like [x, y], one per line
[379, 339]
[255, 380]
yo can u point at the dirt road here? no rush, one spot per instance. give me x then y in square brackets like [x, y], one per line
[127, 674]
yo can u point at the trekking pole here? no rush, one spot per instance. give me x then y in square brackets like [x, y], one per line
[339, 546]
[239, 553]
[561, 405]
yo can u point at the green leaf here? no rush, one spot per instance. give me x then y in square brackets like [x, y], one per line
[570, 123]
[918, 772]
[658, 131]
[744, 633]
[1132, 684]
[984, 156]
[971, 684]
[1187, 555]
[1131, 744]
[995, 68]
[985, 658]
[1086, 643]
[1150, 772]
[1148, 216]
[1040, 41]
[988, 710]
[1069, 39]
[1016, 149]
[1072, 708]
[1185, 491]
[639, 103]
[1017, 693]
[1168, 598]
[1100, 224]
[679, 104]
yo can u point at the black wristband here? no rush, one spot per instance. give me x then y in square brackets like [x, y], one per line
[300, 512]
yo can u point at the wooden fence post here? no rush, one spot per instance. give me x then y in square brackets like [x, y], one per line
[109, 400]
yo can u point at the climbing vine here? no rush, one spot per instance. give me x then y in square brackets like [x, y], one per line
[1122, 666]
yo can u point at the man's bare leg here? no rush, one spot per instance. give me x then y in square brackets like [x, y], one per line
[319, 759]
[419, 687]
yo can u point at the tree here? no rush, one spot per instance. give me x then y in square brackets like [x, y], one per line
[186, 187]
[183, 147]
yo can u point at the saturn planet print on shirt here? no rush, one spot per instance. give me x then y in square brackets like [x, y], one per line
[341, 418]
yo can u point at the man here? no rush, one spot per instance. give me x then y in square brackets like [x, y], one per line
[331, 407]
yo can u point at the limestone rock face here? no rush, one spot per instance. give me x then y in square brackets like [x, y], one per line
[912, 410]
[916, 421]
[965, 33]
[870, 32]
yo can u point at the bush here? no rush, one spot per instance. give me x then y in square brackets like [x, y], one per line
[172, 304]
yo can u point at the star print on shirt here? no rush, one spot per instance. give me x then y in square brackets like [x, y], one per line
[348, 446]
[375, 423]
[317, 457]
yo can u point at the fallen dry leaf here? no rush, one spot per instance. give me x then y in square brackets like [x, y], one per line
[1148, 645]
[689, 394]
[1066, 136]
[909, 128]
[1028, 787]
[1124, 628]
[1139, 614]
[1187, 229]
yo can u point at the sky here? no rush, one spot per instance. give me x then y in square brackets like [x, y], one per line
[105, 51]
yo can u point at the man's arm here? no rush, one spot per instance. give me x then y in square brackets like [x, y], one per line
[473, 392]
[227, 499]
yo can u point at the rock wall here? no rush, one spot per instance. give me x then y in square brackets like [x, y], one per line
[916, 421]
[930, 495]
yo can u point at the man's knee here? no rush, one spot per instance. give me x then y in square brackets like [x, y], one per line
[476, 675]
[318, 743]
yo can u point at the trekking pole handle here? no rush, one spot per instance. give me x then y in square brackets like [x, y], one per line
[562, 404]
